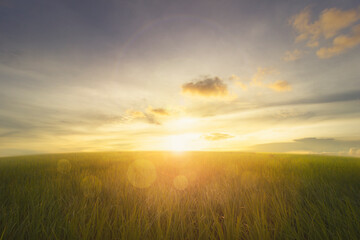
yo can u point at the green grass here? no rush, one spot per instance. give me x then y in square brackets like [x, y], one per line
[224, 196]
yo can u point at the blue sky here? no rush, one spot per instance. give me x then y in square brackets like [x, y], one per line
[185, 75]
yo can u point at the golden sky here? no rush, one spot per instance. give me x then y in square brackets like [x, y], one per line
[179, 75]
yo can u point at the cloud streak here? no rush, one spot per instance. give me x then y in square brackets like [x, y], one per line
[217, 136]
[312, 145]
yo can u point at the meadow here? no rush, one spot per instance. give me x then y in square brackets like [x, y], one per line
[190, 195]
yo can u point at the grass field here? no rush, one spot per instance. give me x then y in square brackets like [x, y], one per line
[198, 195]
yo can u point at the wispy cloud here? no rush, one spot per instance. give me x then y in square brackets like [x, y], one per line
[217, 136]
[313, 145]
[327, 98]
[261, 75]
[280, 86]
[159, 111]
[238, 82]
[135, 115]
[292, 55]
[264, 78]
[150, 115]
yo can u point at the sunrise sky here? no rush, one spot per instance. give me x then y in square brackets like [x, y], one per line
[278, 76]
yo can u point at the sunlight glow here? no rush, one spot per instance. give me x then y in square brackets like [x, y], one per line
[180, 143]
[182, 123]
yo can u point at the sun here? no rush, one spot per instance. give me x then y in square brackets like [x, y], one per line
[183, 137]
[178, 143]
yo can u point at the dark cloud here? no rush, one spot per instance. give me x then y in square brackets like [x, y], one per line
[10, 133]
[217, 136]
[330, 98]
[159, 111]
[314, 145]
[209, 87]
[241, 105]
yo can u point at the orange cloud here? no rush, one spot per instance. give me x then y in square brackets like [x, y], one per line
[280, 86]
[292, 55]
[329, 23]
[261, 74]
[237, 80]
[135, 114]
[333, 20]
[264, 78]
[341, 44]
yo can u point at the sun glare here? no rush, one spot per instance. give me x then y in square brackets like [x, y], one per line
[185, 141]
[178, 143]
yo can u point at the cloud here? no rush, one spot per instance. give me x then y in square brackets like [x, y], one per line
[217, 136]
[135, 114]
[260, 79]
[142, 116]
[280, 86]
[261, 74]
[234, 77]
[209, 87]
[329, 23]
[315, 145]
[292, 55]
[333, 20]
[151, 115]
[159, 111]
[306, 30]
[237, 80]
[341, 44]
[346, 96]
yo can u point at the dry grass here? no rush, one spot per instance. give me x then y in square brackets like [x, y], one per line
[184, 196]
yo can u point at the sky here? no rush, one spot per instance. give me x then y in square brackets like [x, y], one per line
[219, 75]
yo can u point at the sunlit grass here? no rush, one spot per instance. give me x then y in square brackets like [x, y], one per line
[155, 195]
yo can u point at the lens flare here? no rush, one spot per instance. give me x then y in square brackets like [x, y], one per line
[91, 186]
[141, 173]
[181, 182]
[63, 166]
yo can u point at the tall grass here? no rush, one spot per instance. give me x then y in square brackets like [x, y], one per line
[215, 196]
